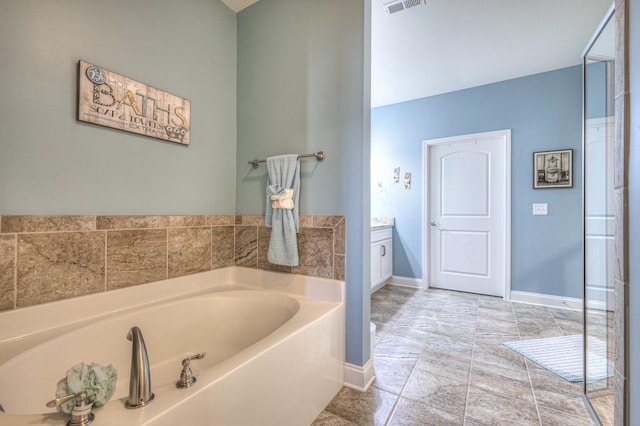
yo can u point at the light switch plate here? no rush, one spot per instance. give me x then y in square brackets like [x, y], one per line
[540, 209]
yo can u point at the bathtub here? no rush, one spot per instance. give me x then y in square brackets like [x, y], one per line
[274, 344]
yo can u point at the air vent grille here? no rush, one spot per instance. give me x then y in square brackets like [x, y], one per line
[400, 5]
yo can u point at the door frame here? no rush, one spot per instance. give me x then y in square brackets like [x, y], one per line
[426, 232]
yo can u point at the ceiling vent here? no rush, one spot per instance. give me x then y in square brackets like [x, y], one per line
[400, 5]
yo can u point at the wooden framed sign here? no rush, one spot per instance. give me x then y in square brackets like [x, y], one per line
[111, 100]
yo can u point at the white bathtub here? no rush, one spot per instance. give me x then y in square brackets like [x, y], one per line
[274, 344]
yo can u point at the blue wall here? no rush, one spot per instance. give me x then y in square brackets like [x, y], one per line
[634, 213]
[543, 112]
[303, 87]
[599, 95]
[52, 164]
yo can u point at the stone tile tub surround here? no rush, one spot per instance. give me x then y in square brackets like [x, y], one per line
[49, 258]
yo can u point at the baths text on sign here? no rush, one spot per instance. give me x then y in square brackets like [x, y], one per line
[111, 100]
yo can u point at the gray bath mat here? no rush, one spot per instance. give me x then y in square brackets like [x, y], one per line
[563, 356]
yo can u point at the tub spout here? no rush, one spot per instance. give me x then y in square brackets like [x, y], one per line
[140, 382]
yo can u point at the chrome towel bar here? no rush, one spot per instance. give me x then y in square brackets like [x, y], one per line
[320, 155]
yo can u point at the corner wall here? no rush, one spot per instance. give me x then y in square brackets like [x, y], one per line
[302, 87]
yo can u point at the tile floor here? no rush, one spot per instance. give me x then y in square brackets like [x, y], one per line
[603, 406]
[439, 360]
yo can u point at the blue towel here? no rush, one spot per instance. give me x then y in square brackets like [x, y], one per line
[284, 173]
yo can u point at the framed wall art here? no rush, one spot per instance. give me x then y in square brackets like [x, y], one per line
[112, 100]
[553, 169]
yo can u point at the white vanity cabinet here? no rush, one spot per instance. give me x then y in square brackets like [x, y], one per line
[381, 257]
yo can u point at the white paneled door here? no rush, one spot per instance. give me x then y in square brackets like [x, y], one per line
[468, 212]
[600, 221]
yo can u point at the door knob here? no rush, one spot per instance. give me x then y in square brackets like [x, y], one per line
[433, 223]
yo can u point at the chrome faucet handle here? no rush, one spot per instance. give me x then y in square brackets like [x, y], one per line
[81, 414]
[59, 401]
[186, 376]
[186, 361]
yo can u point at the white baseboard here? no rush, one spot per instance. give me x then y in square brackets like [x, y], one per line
[601, 298]
[547, 300]
[380, 285]
[406, 282]
[358, 378]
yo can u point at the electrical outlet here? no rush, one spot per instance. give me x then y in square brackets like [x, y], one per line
[540, 209]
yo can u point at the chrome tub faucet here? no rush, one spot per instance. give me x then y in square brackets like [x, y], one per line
[140, 382]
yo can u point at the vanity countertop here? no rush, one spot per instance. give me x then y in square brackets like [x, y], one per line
[382, 223]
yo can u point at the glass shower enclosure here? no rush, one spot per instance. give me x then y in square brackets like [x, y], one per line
[599, 220]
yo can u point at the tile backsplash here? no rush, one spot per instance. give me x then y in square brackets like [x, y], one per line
[48, 258]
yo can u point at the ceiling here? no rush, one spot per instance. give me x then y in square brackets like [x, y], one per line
[449, 45]
[238, 5]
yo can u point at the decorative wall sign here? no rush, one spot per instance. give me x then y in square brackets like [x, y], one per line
[553, 169]
[111, 100]
[396, 174]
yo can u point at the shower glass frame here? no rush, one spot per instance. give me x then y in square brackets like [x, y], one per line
[598, 63]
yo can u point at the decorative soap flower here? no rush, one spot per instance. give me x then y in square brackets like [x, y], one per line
[99, 382]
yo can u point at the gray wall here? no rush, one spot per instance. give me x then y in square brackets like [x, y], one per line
[634, 213]
[302, 71]
[544, 113]
[52, 164]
